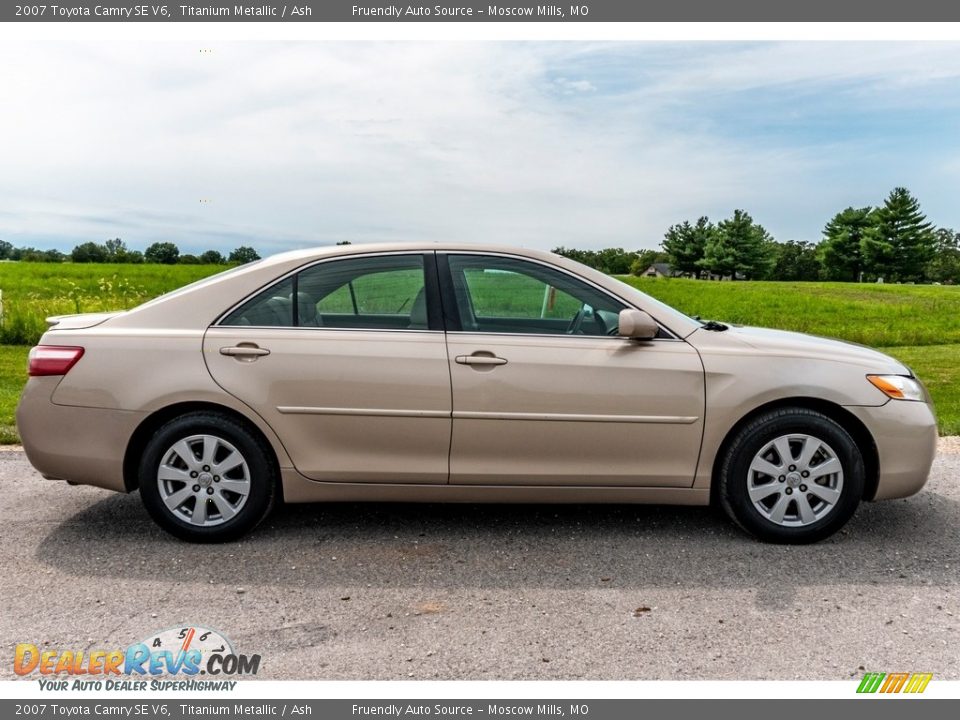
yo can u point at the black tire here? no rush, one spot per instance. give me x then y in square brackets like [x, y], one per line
[734, 473]
[259, 477]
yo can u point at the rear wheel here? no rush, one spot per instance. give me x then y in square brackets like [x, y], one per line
[206, 478]
[792, 475]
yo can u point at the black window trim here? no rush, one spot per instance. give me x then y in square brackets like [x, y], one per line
[431, 280]
[453, 316]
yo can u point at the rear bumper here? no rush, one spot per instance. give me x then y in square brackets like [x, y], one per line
[906, 437]
[79, 444]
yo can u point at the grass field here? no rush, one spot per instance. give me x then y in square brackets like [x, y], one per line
[13, 373]
[875, 315]
[34, 291]
[920, 325]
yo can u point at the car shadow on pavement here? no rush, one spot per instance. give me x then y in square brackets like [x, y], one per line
[901, 543]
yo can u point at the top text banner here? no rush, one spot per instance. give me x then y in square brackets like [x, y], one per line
[480, 11]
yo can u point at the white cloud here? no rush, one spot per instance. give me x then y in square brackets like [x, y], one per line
[569, 87]
[298, 144]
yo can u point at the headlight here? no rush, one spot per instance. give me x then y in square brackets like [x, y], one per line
[898, 387]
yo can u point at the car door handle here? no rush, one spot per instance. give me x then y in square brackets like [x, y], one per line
[480, 360]
[244, 351]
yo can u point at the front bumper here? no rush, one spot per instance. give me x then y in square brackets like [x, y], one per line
[79, 444]
[905, 433]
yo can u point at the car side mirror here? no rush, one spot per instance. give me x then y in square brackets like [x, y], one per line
[637, 325]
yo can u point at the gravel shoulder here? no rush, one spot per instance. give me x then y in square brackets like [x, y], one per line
[494, 592]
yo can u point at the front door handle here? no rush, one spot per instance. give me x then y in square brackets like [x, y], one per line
[244, 351]
[480, 360]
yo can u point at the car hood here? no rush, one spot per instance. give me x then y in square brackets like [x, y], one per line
[793, 344]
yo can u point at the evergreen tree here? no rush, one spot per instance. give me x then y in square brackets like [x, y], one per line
[840, 252]
[739, 247]
[902, 241]
[685, 245]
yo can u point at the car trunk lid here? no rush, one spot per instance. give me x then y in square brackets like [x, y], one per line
[79, 322]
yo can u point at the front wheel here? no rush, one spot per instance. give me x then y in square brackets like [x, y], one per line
[791, 475]
[206, 478]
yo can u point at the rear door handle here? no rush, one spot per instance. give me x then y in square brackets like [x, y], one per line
[480, 360]
[244, 351]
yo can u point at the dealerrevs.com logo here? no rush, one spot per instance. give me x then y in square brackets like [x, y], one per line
[171, 659]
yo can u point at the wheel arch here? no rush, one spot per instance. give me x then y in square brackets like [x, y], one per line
[840, 415]
[145, 430]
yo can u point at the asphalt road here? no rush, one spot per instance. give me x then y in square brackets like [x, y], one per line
[493, 592]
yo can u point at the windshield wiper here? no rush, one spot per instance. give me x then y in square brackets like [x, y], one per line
[713, 325]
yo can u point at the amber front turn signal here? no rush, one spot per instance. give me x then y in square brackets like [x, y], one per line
[897, 387]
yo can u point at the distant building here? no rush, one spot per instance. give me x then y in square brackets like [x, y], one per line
[658, 270]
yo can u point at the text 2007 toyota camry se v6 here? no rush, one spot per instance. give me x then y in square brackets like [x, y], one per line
[463, 373]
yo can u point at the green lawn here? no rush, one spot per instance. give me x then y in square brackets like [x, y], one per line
[917, 324]
[939, 368]
[875, 315]
[13, 373]
[34, 291]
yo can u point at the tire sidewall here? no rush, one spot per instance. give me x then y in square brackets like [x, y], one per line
[262, 477]
[748, 443]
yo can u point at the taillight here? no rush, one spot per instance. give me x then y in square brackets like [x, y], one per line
[52, 359]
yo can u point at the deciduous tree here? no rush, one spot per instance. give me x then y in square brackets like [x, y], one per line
[212, 257]
[945, 265]
[244, 254]
[89, 252]
[165, 253]
[795, 260]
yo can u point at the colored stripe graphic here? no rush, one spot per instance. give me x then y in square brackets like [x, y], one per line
[894, 682]
[918, 682]
[870, 683]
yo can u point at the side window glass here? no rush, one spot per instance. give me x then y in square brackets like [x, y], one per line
[496, 294]
[270, 308]
[385, 292]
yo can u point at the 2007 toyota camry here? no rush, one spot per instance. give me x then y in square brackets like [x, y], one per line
[463, 373]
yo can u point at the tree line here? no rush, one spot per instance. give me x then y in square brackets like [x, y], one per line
[893, 242]
[116, 251]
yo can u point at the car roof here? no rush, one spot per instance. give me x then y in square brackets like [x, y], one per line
[411, 246]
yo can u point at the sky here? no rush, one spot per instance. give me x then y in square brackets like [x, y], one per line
[589, 145]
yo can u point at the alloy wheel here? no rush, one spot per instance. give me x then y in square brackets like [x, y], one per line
[203, 480]
[795, 480]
